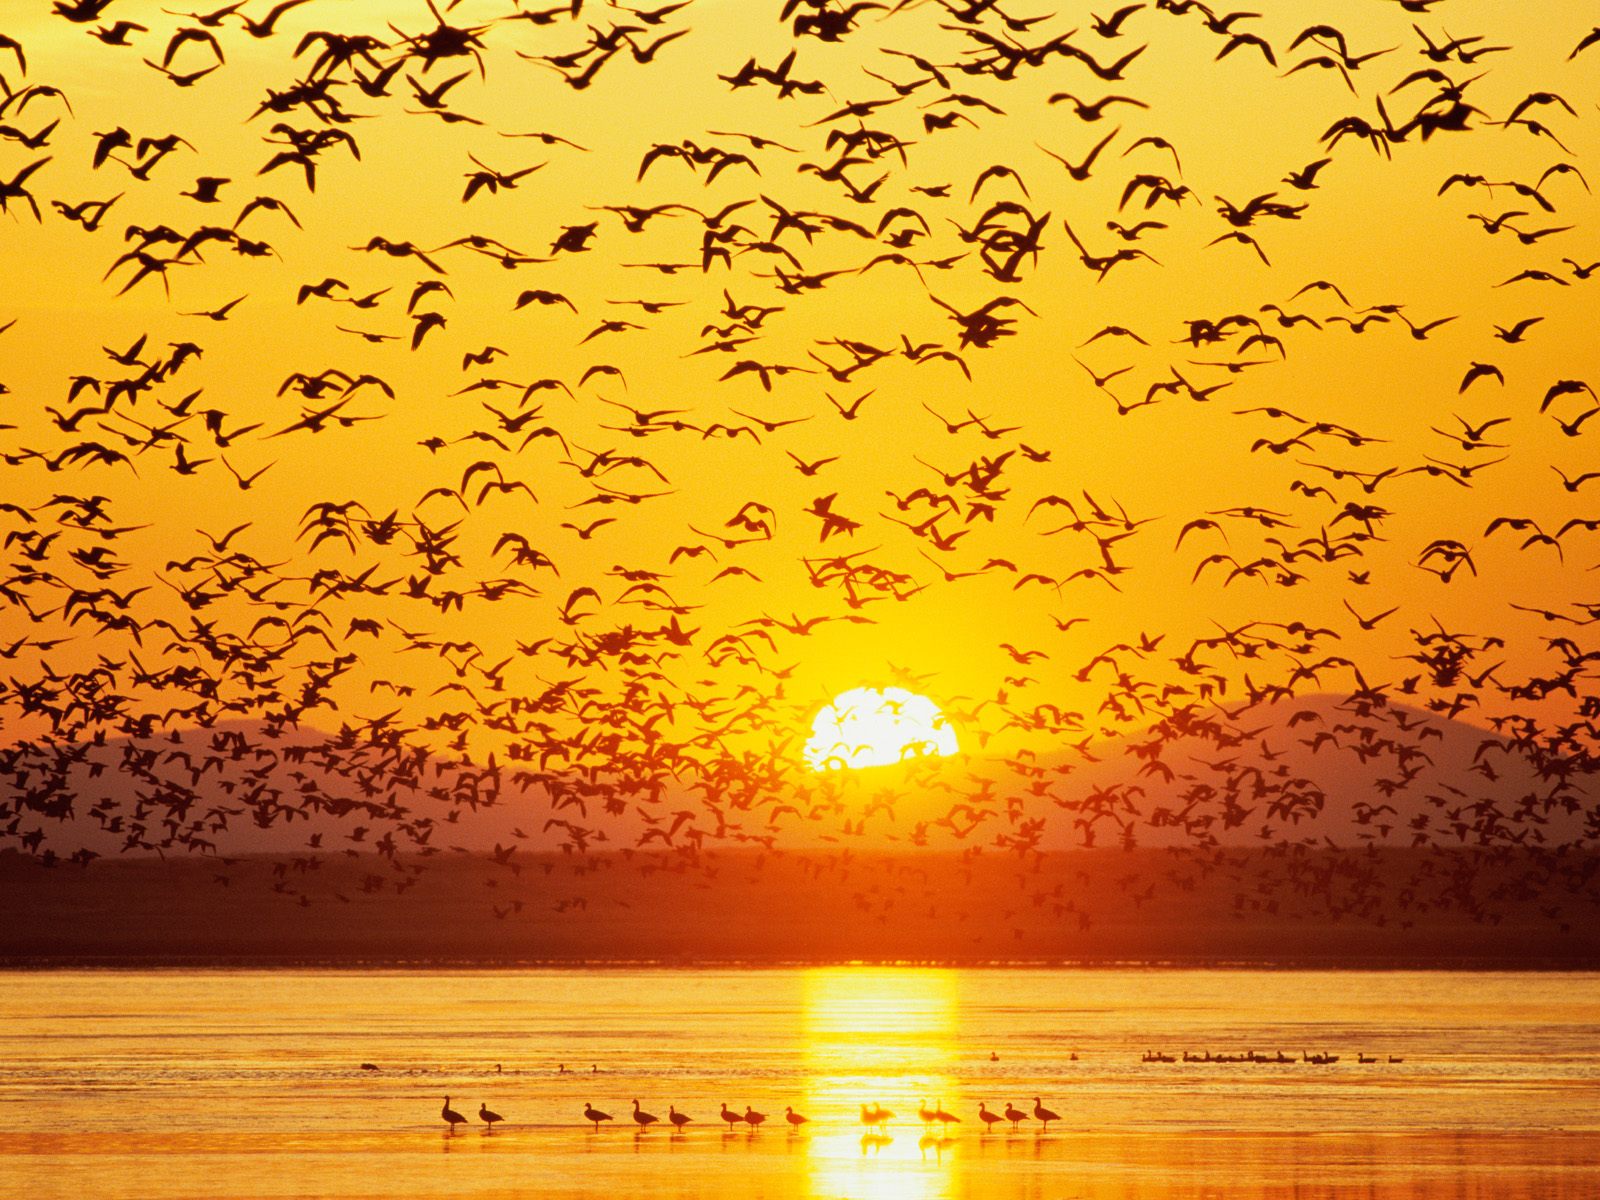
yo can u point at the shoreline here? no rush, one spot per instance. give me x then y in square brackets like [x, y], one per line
[219, 964]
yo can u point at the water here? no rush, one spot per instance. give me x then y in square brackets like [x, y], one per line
[171, 1084]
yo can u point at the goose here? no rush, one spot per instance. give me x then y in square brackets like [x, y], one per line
[944, 1118]
[795, 1119]
[989, 1119]
[488, 1117]
[752, 1118]
[728, 1115]
[643, 1119]
[1043, 1114]
[450, 1115]
[875, 1116]
[591, 1113]
[925, 1114]
[678, 1119]
[1014, 1114]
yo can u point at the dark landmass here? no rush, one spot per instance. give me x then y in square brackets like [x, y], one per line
[1289, 907]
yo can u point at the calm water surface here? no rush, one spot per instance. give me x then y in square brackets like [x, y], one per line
[172, 1084]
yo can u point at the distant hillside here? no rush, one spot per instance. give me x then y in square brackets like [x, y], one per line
[1315, 770]
[1318, 769]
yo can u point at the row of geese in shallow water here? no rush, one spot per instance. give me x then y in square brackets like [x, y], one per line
[1251, 1056]
[874, 1117]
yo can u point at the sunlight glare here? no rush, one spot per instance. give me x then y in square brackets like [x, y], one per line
[882, 1036]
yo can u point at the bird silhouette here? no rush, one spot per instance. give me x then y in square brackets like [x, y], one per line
[450, 1116]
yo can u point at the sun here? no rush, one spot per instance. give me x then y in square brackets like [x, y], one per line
[872, 727]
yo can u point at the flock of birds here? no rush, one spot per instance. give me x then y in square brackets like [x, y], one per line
[1321, 1058]
[583, 507]
[875, 1119]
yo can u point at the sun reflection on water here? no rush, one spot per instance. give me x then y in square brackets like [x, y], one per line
[886, 1037]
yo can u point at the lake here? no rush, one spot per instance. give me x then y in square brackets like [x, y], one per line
[247, 1083]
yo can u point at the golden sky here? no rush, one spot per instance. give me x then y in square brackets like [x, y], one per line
[971, 608]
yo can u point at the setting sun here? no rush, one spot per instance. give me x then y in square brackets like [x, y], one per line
[872, 727]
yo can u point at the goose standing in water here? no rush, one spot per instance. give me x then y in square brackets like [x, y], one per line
[643, 1119]
[795, 1119]
[1014, 1114]
[1043, 1114]
[945, 1119]
[451, 1116]
[591, 1113]
[678, 1119]
[488, 1117]
[989, 1119]
[731, 1117]
[752, 1118]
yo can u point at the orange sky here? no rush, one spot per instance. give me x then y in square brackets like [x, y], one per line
[1375, 225]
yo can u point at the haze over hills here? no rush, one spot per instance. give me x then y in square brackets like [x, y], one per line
[1320, 771]
[1349, 832]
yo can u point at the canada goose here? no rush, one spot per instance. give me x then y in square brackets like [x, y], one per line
[944, 1118]
[451, 1116]
[874, 1116]
[1043, 1114]
[641, 1118]
[752, 1118]
[678, 1119]
[728, 1115]
[1014, 1114]
[591, 1113]
[795, 1119]
[488, 1117]
[989, 1119]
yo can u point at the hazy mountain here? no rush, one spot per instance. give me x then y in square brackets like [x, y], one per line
[1314, 770]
